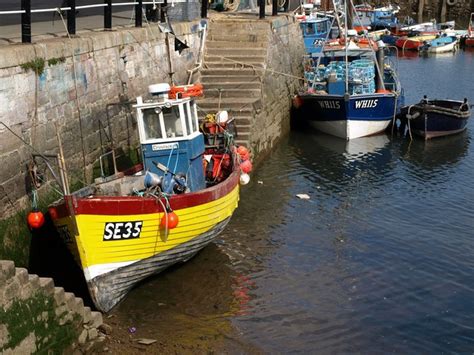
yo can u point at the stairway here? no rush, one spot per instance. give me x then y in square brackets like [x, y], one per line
[232, 72]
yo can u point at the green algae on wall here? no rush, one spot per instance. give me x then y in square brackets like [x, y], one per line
[36, 318]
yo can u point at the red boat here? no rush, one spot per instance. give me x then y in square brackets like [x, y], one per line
[469, 41]
[413, 43]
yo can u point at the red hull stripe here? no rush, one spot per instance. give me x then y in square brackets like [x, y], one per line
[129, 205]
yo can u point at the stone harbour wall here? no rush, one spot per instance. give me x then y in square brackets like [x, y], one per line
[80, 87]
[37, 317]
[281, 82]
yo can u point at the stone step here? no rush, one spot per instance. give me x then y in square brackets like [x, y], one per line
[205, 79]
[242, 136]
[241, 27]
[243, 120]
[237, 52]
[234, 104]
[232, 85]
[228, 93]
[236, 59]
[221, 64]
[232, 71]
[242, 129]
[235, 44]
[235, 37]
[241, 141]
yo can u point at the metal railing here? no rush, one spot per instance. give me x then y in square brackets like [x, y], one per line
[71, 12]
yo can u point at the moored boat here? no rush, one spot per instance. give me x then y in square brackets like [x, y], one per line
[415, 42]
[350, 92]
[440, 45]
[468, 40]
[135, 223]
[436, 118]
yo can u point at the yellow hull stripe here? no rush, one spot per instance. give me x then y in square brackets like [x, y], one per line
[193, 221]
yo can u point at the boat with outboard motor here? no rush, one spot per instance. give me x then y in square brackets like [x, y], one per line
[133, 224]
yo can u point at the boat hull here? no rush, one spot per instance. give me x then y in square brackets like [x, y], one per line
[434, 125]
[359, 116]
[118, 240]
[431, 121]
[450, 47]
[469, 42]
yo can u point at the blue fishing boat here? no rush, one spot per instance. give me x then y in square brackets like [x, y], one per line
[350, 91]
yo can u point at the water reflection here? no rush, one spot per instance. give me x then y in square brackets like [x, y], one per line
[437, 155]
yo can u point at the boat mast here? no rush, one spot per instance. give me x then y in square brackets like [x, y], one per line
[346, 44]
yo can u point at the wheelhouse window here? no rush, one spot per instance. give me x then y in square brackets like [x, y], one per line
[162, 122]
[151, 123]
[172, 120]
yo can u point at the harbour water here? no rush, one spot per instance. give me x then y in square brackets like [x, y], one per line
[380, 259]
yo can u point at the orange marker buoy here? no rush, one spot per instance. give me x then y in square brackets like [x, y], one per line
[173, 220]
[35, 219]
[243, 152]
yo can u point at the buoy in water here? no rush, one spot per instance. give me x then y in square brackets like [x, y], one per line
[172, 218]
[35, 219]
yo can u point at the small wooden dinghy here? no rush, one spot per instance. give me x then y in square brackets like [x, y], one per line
[437, 118]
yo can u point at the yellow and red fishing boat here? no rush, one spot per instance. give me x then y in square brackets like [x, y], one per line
[136, 223]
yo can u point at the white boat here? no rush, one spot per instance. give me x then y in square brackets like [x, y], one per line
[442, 44]
[448, 47]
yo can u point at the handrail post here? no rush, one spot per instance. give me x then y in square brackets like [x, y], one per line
[204, 4]
[139, 14]
[163, 9]
[275, 7]
[261, 14]
[26, 21]
[108, 14]
[71, 17]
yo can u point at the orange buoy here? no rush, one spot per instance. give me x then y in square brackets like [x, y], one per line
[169, 220]
[35, 219]
[246, 166]
[180, 91]
[243, 152]
[383, 91]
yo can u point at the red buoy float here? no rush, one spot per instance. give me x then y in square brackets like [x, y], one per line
[243, 152]
[246, 166]
[169, 220]
[35, 219]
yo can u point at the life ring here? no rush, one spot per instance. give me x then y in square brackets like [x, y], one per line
[451, 2]
[180, 91]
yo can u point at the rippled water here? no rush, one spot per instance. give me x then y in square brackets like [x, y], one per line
[379, 260]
